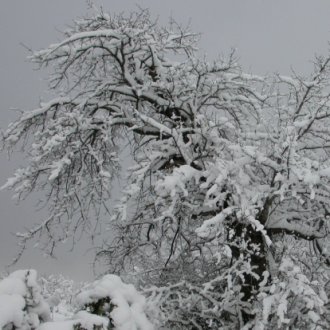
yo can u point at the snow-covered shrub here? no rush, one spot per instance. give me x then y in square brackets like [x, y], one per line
[107, 303]
[120, 303]
[21, 304]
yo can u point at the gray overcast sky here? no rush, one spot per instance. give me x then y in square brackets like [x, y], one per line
[268, 35]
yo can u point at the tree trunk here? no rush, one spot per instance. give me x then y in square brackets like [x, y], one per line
[258, 260]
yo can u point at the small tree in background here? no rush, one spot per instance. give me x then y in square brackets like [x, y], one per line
[226, 210]
[59, 292]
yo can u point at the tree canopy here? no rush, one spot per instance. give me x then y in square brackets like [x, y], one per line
[224, 218]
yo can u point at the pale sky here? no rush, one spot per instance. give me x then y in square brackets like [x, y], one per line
[268, 36]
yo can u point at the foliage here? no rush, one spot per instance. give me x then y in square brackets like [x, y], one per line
[59, 292]
[121, 304]
[22, 306]
[230, 172]
[104, 304]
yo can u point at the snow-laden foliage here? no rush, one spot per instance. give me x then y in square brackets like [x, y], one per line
[117, 301]
[292, 300]
[226, 209]
[22, 306]
[59, 292]
[104, 304]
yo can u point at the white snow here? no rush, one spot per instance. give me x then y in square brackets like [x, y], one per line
[86, 320]
[128, 313]
[21, 303]
[11, 310]
[22, 306]
[60, 325]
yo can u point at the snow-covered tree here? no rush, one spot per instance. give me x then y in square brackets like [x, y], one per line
[59, 292]
[224, 218]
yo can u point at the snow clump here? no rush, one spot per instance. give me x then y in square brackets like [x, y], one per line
[21, 304]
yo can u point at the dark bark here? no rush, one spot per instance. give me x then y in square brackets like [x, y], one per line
[257, 257]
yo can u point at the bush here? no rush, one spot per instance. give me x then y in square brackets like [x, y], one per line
[21, 303]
